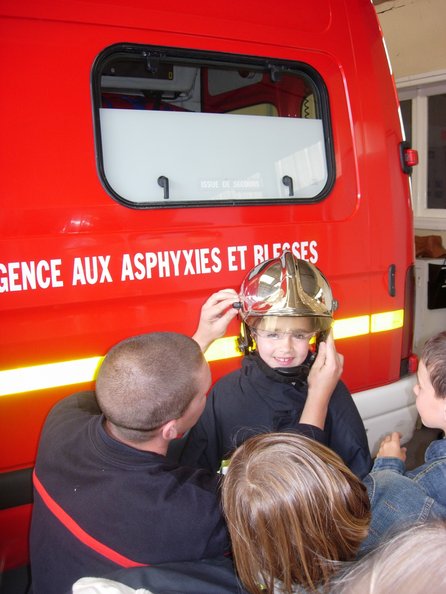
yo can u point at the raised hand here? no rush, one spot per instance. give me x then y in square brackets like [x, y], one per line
[322, 380]
[216, 313]
[390, 447]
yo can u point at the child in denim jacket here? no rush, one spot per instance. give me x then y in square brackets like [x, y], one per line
[430, 392]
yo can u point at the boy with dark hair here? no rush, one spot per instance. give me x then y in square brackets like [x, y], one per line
[430, 392]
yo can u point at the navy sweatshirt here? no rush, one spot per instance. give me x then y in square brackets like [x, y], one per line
[134, 502]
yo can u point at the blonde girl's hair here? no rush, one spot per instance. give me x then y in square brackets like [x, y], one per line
[411, 561]
[294, 511]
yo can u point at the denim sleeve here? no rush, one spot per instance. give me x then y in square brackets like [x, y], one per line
[394, 464]
[397, 502]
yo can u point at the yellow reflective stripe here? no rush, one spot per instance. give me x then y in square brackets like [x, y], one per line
[388, 320]
[379, 322]
[351, 327]
[223, 348]
[79, 371]
[51, 375]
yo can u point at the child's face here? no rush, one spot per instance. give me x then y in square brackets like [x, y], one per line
[430, 407]
[285, 342]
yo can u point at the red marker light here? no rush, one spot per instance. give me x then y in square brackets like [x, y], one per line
[410, 157]
[412, 363]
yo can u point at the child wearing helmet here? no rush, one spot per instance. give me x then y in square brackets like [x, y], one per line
[285, 303]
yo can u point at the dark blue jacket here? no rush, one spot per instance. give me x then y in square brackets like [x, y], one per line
[132, 501]
[248, 402]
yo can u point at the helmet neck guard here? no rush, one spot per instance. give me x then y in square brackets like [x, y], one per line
[285, 375]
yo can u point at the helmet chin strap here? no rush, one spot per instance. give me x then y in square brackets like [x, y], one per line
[245, 343]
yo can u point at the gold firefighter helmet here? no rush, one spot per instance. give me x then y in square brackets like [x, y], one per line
[287, 286]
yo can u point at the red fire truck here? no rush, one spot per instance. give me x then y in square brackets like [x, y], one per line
[153, 153]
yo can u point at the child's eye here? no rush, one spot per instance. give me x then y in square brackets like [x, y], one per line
[299, 336]
[273, 335]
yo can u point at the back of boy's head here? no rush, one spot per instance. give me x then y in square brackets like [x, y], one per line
[148, 380]
[434, 358]
[293, 510]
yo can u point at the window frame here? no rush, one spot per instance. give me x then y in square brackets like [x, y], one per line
[206, 58]
[417, 89]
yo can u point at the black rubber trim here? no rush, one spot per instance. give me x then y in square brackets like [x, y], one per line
[16, 488]
[210, 58]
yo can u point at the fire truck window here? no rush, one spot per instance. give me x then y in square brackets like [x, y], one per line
[175, 127]
[263, 109]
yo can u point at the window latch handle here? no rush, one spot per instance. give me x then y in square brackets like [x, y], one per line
[163, 181]
[288, 182]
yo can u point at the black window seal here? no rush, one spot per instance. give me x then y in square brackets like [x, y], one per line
[209, 58]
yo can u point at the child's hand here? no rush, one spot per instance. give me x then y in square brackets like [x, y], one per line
[216, 313]
[322, 380]
[390, 447]
[326, 369]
